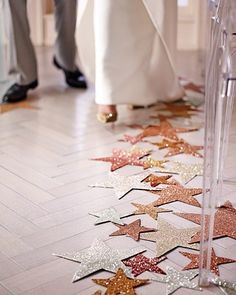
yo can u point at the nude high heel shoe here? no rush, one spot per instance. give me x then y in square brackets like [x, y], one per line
[108, 115]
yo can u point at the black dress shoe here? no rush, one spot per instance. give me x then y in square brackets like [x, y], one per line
[74, 79]
[18, 92]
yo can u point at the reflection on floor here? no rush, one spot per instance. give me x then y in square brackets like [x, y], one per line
[45, 193]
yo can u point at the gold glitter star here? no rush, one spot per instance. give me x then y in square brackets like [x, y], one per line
[215, 261]
[186, 171]
[179, 147]
[149, 209]
[7, 107]
[120, 284]
[177, 193]
[224, 225]
[155, 180]
[132, 230]
[151, 163]
[121, 158]
[169, 237]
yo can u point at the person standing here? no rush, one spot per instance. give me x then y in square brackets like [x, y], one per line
[128, 52]
[65, 48]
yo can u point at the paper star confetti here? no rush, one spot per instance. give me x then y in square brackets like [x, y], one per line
[120, 284]
[109, 214]
[132, 139]
[215, 261]
[178, 108]
[224, 225]
[169, 237]
[99, 256]
[151, 163]
[164, 129]
[155, 180]
[122, 185]
[179, 147]
[176, 279]
[121, 158]
[140, 263]
[186, 171]
[132, 230]
[149, 209]
[177, 193]
[7, 107]
[98, 293]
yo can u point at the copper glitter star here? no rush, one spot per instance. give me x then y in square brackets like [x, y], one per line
[164, 129]
[98, 293]
[7, 107]
[121, 158]
[155, 180]
[179, 147]
[132, 230]
[120, 284]
[169, 237]
[140, 263]
[149, 209]
[186, 171]
[179, 108]
[215, 261]
[151, 163]
[132, 139]
[224, 225]
[177, 193]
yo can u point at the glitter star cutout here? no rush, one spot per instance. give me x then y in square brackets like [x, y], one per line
[98, 293]
[140, 263]
[179, 108]
[7, 107]
[132, 230]
[121, 158]
[169, 237]
[164, 129]
[151, 163]
[132, 139]
[122, 185]
[120, 284]
[99, 256]
[179, 147]
[177, 193]
[109, 214]
[224, 225]
[148, 209]
[156, 180]
[186, 171]
[215, 261]
[176, 279]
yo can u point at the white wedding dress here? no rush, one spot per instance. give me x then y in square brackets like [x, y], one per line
[127, 49]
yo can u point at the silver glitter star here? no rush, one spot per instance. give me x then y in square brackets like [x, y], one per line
[169, 237]
[99, 256]
[178, 279]
[186, 171]
[226, 286]
[109, 214]
[122, 185]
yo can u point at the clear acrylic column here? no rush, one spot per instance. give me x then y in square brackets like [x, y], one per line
[220, 93]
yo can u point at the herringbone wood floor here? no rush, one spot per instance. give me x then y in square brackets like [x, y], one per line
[44, 195]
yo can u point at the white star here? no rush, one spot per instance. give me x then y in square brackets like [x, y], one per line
[176, 279]
[99, 256]
[109, 214]
[122, 185]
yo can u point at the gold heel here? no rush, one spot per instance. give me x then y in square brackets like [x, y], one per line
[106, 117]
